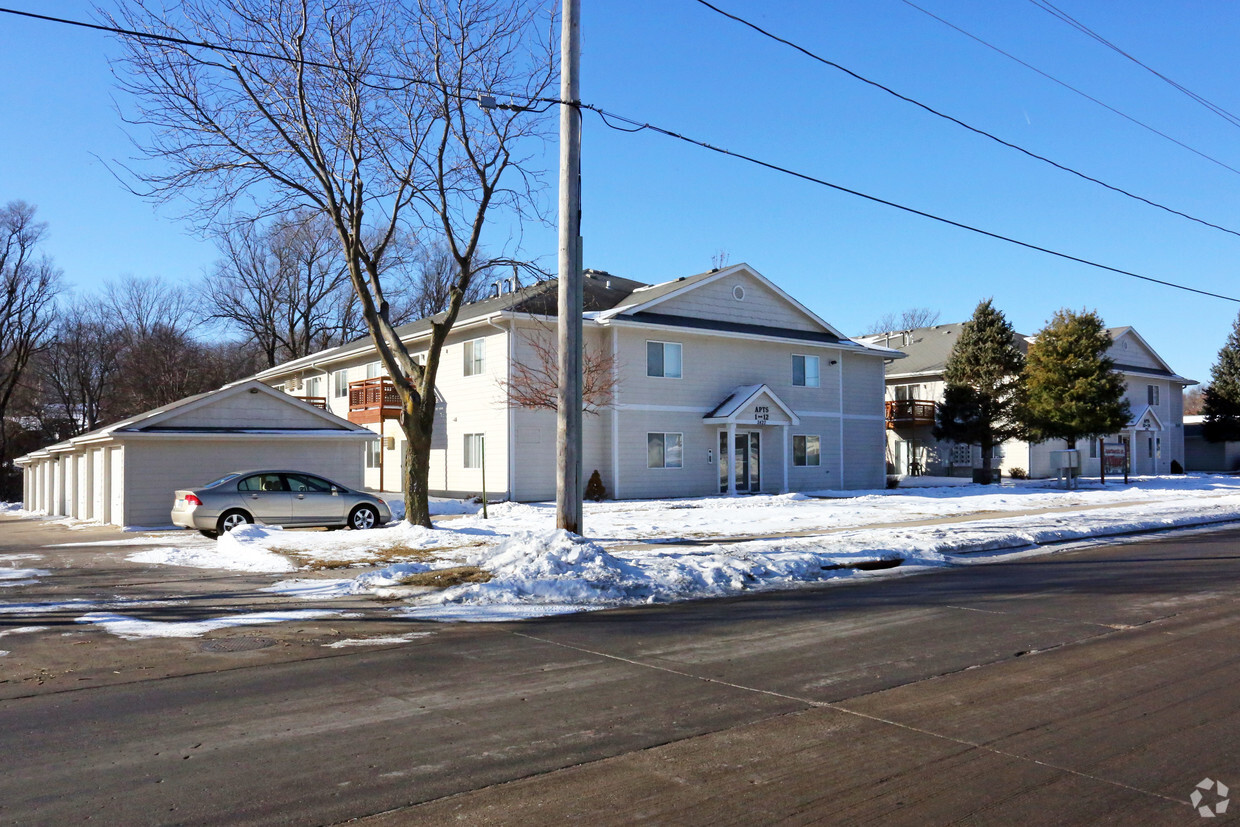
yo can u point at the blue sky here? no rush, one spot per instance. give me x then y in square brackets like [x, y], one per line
[655, 209]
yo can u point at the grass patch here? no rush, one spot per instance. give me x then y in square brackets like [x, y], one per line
[446, 578]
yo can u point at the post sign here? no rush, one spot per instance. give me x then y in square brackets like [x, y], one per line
[1113, 457]
[761, 413]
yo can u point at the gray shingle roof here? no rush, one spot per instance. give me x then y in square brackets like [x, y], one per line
[927, 349]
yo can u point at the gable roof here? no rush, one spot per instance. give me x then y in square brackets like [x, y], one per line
[600, 291]
[729, 409]
[162, 419]
[929, 348]
[645, 298]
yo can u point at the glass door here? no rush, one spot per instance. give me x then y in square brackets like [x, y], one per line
[747, 451]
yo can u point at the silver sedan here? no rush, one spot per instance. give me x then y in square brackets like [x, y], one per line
[283, 498]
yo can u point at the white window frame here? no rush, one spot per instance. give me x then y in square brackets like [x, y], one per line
[665, 345]
[680, 438]
[474, 449]
[805, 451]
[341, 380]
[374, 452]
[374, 370]
[805, 371]
[1151, 394]
[475, 356]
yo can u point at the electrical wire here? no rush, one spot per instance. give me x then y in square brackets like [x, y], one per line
[1069, 87]
[233, 50]
[639, 126]
[1064, 17]
[961, 123]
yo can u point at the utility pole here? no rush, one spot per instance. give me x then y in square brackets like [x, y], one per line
[568, 491]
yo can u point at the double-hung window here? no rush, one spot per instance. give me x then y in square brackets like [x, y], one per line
[374, 370]
[664, 450]
[663, 359]
[1151, 392]
[473, 450]
[374, 453]
[475, 356]
[804, 371]
[340, 382]
[805, 450]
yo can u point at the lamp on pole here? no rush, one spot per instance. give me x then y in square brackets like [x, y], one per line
[568, 493]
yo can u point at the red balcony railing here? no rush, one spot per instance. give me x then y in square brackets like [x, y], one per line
[906, 413]
[373, 400]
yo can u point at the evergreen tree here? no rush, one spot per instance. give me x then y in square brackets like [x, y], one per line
[1073, 389]
[984, 386]
[1222, 397]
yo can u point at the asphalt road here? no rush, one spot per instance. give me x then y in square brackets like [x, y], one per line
[1097, 685]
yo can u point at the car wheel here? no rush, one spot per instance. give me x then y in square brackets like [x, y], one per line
[230, 520]
[210, 534]
[363, 517]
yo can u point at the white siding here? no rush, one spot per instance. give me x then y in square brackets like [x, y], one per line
[761, 305]
[253, 410]
[155, 468]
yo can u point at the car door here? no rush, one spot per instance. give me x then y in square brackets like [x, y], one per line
[314, 500]
[267, 498]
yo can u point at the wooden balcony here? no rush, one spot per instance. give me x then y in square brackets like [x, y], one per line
[316, 401]
[373, 400]
[909, 413]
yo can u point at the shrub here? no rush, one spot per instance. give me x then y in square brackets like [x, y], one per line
[1176, 468]
[893, 481]
[1018, 474]
[595, 489]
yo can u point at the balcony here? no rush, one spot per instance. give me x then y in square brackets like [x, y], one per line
[909, 413]
[373, 400]
[316, 401]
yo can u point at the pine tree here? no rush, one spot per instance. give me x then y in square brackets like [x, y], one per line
[1222, 398]
[984, 377]
[1073, 389]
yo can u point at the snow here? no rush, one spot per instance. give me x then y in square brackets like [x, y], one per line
[131, 628]
[389, 640]
[514, 565]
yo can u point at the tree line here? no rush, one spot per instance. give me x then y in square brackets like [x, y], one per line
[1065, 386]
[74, 360]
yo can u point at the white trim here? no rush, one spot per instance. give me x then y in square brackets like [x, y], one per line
[665, 408]
[840, 374]
[838, 415]
[615, 409]
[723, 273]
[665, 343]
[218, 435]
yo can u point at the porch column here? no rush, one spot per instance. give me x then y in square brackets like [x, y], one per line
[731, 459]
[787, 455]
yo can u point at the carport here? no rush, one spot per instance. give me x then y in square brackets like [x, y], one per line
[124, 474]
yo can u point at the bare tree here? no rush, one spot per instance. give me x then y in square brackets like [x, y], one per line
[1194, 401]
[80, 368]
[285, 285]
[29, 283]
[910, 319]
[364, 111]
[143, 306]
[535, 381]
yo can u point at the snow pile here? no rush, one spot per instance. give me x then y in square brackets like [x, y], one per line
[12, 576]
[239, 550]
[438, 506]
[132, 628]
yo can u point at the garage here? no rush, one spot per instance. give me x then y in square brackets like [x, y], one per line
[124, 474]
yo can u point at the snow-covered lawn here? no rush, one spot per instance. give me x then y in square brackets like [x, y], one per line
[515, 565]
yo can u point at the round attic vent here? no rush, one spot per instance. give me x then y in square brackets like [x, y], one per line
[738, 293]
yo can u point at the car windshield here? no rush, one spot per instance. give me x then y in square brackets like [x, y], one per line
[223, 479]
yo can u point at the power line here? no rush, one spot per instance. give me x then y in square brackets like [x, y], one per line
[639, 126]
[961, 123]
[1069, 87]
[473, 94]
[1064, 17]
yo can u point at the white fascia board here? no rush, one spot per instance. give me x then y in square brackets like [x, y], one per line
[1133, 332]
[316, 361]
[850, 347]
[1174, 377]
[364, 434]
[923, 375]
[711, 279]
